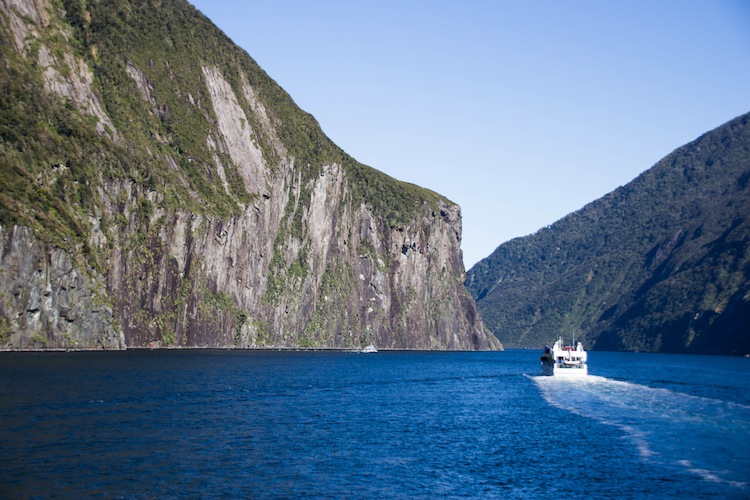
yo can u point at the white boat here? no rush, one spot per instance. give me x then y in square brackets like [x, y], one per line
[370, 348]
[563, 360]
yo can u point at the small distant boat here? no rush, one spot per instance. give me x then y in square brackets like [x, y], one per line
[564, 360]
[369, 349]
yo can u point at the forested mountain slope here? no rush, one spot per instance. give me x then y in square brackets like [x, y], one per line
[158, 188]
[661, 264]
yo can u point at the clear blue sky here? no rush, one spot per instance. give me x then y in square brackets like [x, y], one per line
[519, 111]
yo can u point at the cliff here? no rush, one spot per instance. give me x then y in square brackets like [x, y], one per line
[661, 264]
[159, 189]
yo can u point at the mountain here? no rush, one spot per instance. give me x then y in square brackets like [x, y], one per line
[159, 189]
[661, 264]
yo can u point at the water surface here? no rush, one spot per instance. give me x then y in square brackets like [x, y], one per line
[394, 424]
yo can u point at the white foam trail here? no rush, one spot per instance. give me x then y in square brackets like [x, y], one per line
[657, 420]
[708, 475]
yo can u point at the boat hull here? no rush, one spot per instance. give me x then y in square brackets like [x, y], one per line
[569, 372]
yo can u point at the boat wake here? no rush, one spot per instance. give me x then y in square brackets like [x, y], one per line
[706, 437]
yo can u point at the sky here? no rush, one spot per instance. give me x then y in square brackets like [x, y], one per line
[520, 111]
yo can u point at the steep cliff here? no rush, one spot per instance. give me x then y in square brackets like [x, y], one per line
[661, 264]
[158, 188]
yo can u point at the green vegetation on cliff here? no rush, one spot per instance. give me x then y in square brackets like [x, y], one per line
[661, 264]
[54, 157]
[158, 188]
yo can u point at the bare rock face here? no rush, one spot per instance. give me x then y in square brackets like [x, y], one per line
[303, 260]
[47, 302]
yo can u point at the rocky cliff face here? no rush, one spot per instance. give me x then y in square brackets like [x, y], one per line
[47, 301]
[166, 194]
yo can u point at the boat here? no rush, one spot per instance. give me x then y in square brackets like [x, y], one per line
[369, 349]
[562, 360]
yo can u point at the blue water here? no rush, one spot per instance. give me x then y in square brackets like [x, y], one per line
[394, 424]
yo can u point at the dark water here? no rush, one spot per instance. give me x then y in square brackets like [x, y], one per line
[392, 424]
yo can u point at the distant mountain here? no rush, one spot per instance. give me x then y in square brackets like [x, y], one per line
[157, 188]
[661, 264]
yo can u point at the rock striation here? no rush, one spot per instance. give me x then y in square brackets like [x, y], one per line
[169, 194]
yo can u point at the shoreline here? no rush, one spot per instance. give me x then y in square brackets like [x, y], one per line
[259, 349]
